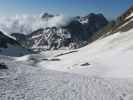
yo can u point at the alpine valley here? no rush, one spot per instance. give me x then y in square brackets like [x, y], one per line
[54, 57]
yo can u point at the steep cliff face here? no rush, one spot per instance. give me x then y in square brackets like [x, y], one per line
[92, 23]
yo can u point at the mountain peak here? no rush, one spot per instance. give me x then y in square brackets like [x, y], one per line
[46, 15]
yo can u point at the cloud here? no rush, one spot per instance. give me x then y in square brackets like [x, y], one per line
[26, 24]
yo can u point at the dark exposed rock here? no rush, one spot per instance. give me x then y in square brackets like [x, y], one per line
[5, 40]
[55, 59]
[19, 36]
[3, 66]
[76, 30]
[10, 47]
[85, 64]
[125, 14]
[92, 23]
[65, 53]
[116, 25]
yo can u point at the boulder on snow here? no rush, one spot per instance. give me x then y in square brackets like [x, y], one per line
[3, 66]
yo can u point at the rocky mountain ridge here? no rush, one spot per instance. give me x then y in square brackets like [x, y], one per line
[74, 35]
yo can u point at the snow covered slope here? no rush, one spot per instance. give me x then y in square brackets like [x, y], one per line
[108, 57]
[104, 72]
[26, 82]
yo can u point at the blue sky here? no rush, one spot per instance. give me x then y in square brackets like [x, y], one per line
[110, 8]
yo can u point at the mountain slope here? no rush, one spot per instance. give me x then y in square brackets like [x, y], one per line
[104, 71]
[10, 47]
[26, 82]
[76, 33]
[107, 57]
[123, 23]
[110, 56]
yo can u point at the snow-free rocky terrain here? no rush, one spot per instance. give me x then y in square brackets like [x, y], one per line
[102, 70]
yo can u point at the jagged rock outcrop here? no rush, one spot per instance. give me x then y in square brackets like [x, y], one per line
[123, 23]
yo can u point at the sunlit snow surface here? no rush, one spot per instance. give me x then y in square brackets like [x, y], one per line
[23, 81]
[100, 71]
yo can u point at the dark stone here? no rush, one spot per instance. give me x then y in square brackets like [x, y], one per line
[3, 66]
[4, 40]
[55, 59]
[85, 64]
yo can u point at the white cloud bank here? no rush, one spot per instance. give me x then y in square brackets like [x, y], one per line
[26, 24]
